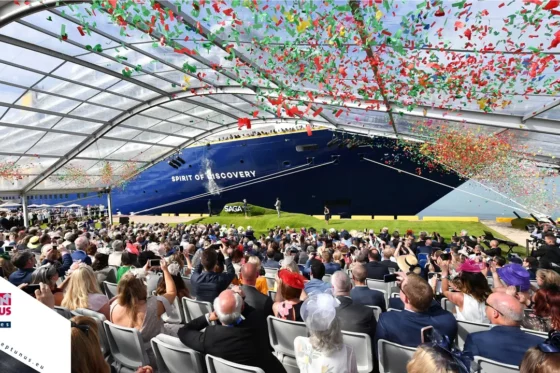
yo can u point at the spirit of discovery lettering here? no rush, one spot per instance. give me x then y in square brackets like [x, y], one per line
[215, 176]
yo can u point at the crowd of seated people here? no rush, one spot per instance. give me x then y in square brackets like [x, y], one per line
[320, 279]
[247, 134]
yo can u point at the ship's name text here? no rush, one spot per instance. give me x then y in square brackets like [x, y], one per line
[215, 176]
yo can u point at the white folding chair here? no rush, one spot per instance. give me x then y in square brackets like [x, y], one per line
[188, 285]
[110, 289]
[271, 271]
[448, 306]
[534, 283]
[99, 319]
[534, 332]
[270, 281]
[179, 317]
[379, 285]
[217, 365]
[361, 344]
[491, 366]
[376, 311]
[282, 334]
[393, 310]
[64, 312]
[195, 308]
[173, 356]
[464, 328]
[327, 278]
[126, 346]
[272, 294]
[395, 295]
[393, 357]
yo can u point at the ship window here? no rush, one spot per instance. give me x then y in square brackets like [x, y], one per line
[286, 163]
[241, 161]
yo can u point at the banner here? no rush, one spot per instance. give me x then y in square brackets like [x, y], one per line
[33, 337]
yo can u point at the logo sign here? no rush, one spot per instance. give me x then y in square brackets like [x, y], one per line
[233, 208]
[5, 309]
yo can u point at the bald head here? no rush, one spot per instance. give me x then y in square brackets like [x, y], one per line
[341, 283]
[228, 307]
[249, 274]
[504, 309]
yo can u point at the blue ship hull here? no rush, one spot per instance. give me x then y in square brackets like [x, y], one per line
[350, 187]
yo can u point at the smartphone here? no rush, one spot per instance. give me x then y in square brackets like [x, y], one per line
[427, 334]
[390, 278]
[30, 289]
[432, 274]
[8, 248]
[391, 270]
[154, 262]
[445, 256]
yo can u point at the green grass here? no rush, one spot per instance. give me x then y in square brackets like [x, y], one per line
[269, 219]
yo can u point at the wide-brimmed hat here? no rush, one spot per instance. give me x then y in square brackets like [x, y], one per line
[292, 279]
[409, 263]
[33, 242]
[514, 274]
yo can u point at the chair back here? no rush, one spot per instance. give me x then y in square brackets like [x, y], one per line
[64, 312]
[395, 295]
[537, 333]
[282, 334]
[126, 346]
[393, 310]
[110, 289]
[376, 311]
[188, 285]
[393, 357]
[448, 306]
[464, 328]
[217, 365]
[271, 271]
[327, 278]
[361, 344]
[173, 356]
[270, 281]
[179, 318]
[111, 275]
[491, 366]
[99, 319]
[534, 283]
[272, 294]
[195, 308]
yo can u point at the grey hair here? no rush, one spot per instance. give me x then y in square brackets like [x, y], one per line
[514, 314]
[44, 274]
[327, 341]
[81, 243]
[228, 319]
[290, 264]
[341, 282]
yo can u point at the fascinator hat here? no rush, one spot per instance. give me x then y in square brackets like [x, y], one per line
[318, 311]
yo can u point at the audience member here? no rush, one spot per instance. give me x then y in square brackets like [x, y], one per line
[543, 358]
[330, 266]
[82, 291]
[323, 350]
[253, 297]
[426, 248]
[175, 271]
[387, 262]
[209, 284]
[505, 342]
[375, 270]
[115, 256]
[472, 292]
[241, 337]
[433, 359]
[405, 327]
[548, 278]
[24, 261]
[549, 253]
[494, 249]
[261, 284]
[290, 287]
[103, 272]
[316, 283]
[128, 261]
[6, 266]
[271, 262]
[362, 294]
[48, 275]
[545, 315]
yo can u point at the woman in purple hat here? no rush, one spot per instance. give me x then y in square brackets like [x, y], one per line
[513, 279]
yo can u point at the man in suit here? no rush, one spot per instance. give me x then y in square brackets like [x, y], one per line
[374, 269]
[253, 297]
[494, 249]
[361, 294]
[241, 336]
[426, 248]
[405, 327]
[505, 342]
[209, 284]
[316, 271]
[549, 253]
[330, 267]
[387, 262]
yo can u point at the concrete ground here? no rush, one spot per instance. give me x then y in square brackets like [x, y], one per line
[515, 235]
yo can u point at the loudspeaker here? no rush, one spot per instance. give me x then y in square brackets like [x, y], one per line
[124, 220]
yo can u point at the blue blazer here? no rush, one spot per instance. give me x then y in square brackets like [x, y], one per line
[405, 327]
[368, 297]
[504, 344]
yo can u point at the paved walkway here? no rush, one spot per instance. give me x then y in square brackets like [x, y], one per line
[515, 235]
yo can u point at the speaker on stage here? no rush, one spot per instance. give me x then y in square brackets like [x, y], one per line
[124, 220]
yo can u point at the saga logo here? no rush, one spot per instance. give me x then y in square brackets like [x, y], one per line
[233, 208]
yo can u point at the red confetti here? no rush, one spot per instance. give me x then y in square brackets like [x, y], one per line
[318, 111]
[439, 13]
[309, 130]
[338, 113]
[241, 122]
[228, 12]
[81, 30]
[552, 4]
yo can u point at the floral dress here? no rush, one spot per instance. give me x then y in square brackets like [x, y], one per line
[312, 361]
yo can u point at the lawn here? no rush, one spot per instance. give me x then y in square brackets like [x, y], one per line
[267, 218]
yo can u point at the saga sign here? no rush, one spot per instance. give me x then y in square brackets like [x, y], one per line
[233, 208]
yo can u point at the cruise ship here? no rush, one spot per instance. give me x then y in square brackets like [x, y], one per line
[305, 172]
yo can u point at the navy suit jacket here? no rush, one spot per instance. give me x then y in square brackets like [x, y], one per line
[504, 344]
[368, 297]
[331, 268]
[405, 327]
[208, 285]
[376, 270]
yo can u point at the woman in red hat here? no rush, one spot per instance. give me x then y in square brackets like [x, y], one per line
[290, 286]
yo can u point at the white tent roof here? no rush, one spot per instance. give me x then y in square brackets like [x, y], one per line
[74, 112]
